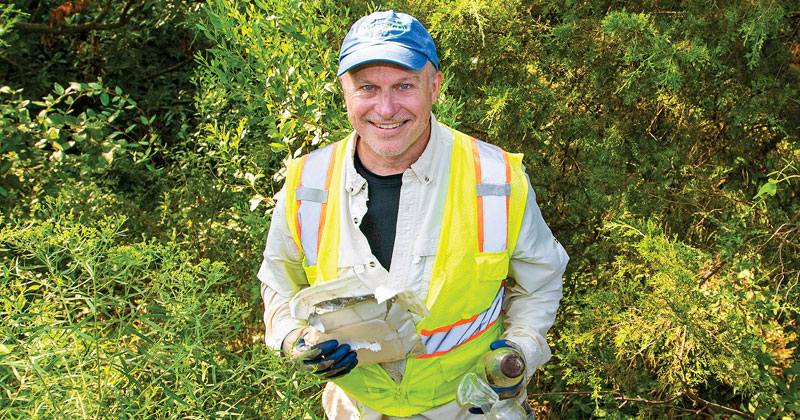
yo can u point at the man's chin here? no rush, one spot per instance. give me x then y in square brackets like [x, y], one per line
[384, 148]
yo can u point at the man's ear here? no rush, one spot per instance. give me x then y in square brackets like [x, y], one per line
[437, 84]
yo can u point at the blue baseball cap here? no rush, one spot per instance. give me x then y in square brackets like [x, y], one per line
[387, 36]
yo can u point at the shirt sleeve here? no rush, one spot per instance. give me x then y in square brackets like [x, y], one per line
[537, 267]
[281, 275]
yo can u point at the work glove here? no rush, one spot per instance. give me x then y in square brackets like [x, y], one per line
[327, 358]
[513, 391]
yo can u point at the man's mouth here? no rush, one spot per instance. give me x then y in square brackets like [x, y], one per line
[387, 126]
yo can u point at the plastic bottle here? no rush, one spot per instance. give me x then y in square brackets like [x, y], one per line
[506, 410]
[502, 368]
[475, 392]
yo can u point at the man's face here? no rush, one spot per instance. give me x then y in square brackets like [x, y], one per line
[389, 106]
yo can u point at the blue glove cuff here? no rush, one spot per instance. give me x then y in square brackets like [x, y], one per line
[510, 388]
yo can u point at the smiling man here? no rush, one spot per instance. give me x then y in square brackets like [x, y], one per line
[389, 107]
[407, 203]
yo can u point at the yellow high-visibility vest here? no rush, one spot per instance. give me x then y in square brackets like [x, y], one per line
[481, 221]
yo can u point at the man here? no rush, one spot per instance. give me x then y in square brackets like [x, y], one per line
[408, 202]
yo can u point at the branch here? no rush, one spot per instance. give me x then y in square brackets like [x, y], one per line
[171, 68]
[41, 28]
[728, 410]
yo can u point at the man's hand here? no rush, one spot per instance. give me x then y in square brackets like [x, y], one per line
[513, 391]
[327, 358]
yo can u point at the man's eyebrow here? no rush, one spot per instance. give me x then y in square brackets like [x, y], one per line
[406, 79]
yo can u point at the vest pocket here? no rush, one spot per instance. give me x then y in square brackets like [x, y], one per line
[491, 266]
[464, 359]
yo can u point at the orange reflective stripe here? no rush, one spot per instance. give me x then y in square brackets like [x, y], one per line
[508, 197]
[324, 207]
[444, 339]
[476, 157]
[448, 327]
[474, 336]
[301, 166]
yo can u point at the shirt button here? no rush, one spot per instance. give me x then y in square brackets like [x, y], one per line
[372, 264]
[355, 220]
[427, 179]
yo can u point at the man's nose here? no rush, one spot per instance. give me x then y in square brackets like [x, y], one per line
[386, 106]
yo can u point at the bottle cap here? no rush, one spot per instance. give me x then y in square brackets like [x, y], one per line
[512, 365]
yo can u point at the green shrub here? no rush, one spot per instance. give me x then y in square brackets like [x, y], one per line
[92, 328]
[73, 133]
[661, 139]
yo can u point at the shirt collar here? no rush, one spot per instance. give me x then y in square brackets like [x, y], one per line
[423, 168]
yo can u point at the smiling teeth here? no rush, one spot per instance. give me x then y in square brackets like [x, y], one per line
[388, 126]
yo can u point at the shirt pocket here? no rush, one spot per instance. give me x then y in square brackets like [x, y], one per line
[424, 255]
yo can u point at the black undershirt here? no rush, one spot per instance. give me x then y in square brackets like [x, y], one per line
[380, 222]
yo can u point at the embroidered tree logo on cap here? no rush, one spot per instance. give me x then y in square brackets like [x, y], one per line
[388, 28]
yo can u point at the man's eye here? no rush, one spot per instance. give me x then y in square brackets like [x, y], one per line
[405, 86]
[368, 87]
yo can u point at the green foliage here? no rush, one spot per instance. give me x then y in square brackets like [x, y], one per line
[269, 89]
[8, 16]
[72, 132]
[661, 139]
[654, 330]
[92, 328]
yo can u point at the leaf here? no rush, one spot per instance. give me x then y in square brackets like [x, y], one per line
[4, 349]
[252, 178]
[104, 99]
[52, 134]
[770, 188]
[172, 395]
[255, 201]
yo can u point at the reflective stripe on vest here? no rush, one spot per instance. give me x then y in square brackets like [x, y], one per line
[493, 188]
[493, 177]
[312, 196]
[441, 340]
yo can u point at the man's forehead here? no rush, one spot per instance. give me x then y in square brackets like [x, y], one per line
[364, 70]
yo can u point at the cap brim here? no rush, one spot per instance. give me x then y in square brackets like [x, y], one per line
[392, 53]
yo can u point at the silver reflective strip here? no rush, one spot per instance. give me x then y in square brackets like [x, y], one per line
[447, 340]
[495, 225]
[493, 189]
[493, 168]
[315, 173]
[311, 194]
[308, 215]
[315, 170]
[495, 206]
